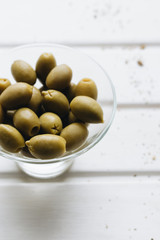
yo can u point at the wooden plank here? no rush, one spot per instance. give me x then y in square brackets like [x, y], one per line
[80, 22]
[92, 211]
[130, 148]
[134, 72]
[134, 119]
[135, 85]
[131, 145]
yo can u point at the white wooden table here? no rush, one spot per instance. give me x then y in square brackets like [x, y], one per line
[113, 191]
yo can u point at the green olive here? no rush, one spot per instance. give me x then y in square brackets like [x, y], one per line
[46, 146]
[72, 118]
[86, 87]
[4, 83]
[75, 135]
[26, 121]
[56, 102]
[10, 138]
[59, 77]
[1, 114]
[87, 109]
[23, 72]
[26, 152]
[70, 92]
[45, 63]
[16, 96]
[35, 101]
[50, 123]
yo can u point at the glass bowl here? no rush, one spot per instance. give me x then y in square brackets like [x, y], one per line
[82, 66]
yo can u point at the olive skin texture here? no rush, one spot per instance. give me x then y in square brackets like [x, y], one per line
[46, 146]
[59, 77]
[35, 101]
[1, 114]
[70, 91]
[16, 96]
[86, 87]
[45, 63]
[87, 109]
[26, 152]
[4, 83]
[72, 118]
[50, 123]
[26, 121]
[56, 102]
[23, 72]
[75, 135]
[10, 138]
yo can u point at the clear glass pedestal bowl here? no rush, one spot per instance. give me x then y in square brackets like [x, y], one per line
[82, 66]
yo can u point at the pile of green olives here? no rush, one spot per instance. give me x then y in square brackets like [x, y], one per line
[50, 120]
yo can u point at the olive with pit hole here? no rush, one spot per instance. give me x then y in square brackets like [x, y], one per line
[56, 102]
[35, 101]
[10, 138]
[26, 121]
[23, 72]
[59, 77]
[4, 83]
[45, 63]
[87, 109]
[50, 123]
[16, 96]
[86, 87]
[75, 135]
[46, 146]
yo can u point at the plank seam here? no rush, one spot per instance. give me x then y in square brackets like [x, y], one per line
[87, 44]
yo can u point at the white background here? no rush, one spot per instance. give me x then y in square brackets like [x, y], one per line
[113, 191]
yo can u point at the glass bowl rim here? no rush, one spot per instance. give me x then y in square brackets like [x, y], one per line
[25, 159]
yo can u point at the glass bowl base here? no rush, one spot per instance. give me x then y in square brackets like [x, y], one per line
[45, 171]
